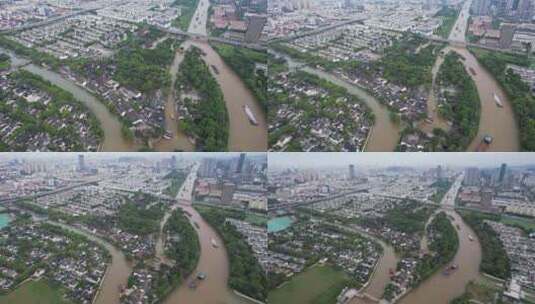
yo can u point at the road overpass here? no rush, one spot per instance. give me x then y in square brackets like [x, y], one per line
[316, 31]
[454, 43]
[48, 21]
[363, 188]
[179, 32]
[41, 194]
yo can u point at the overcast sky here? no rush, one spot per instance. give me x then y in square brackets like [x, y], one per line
[399, 159]
[73, 155]
[319, 159]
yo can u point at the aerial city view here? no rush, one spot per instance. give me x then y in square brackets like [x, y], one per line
[401, 228]
[401, 75]
[133, 228]
[132, 75]
[267, 151]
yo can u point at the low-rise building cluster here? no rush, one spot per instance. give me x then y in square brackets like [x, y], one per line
[330, 120]
[350, 42]
[144, 112]
[157, 12]
[316, 240]
[86, 36]
[520, 249]
[48, 252]
[14, 14]
[34, 119]
[256, 237]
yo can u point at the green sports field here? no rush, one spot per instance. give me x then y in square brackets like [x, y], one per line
[35, 292]
[316, 285]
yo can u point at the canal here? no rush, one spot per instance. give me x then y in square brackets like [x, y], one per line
[110, 124]
[437, 121]
[178, 141]
[243, 135]
[381, 276]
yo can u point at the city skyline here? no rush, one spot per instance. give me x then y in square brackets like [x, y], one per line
[426, 160]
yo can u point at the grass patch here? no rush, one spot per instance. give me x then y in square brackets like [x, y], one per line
[188, 8]
[35, 292]
[256, 219]
[483, 292]
[318, 285]
[449, 16]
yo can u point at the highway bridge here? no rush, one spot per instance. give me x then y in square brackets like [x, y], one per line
[362, 188]
[179, 32]
[41, 194]
[47, 21]
[454, 43]
[315, 31]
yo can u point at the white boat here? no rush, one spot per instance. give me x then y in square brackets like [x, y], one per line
[498, 101]
[470, 237]
[250, 115]
[214, 244]
[168, 135]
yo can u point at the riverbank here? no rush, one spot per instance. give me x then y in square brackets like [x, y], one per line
[113, 139]
[380, 277]
[498, 122]
[117, 272]
[517, 93]
[440, 288]
[246, 275]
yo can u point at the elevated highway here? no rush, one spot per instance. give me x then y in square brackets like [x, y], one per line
[363, 188]
[47, 21]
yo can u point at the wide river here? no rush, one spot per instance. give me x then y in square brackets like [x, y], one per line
[440, 288]
[212, 261]
[498, 122]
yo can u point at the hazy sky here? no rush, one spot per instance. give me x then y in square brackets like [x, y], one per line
[399, 159]
[73, 155]
[319, 159]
